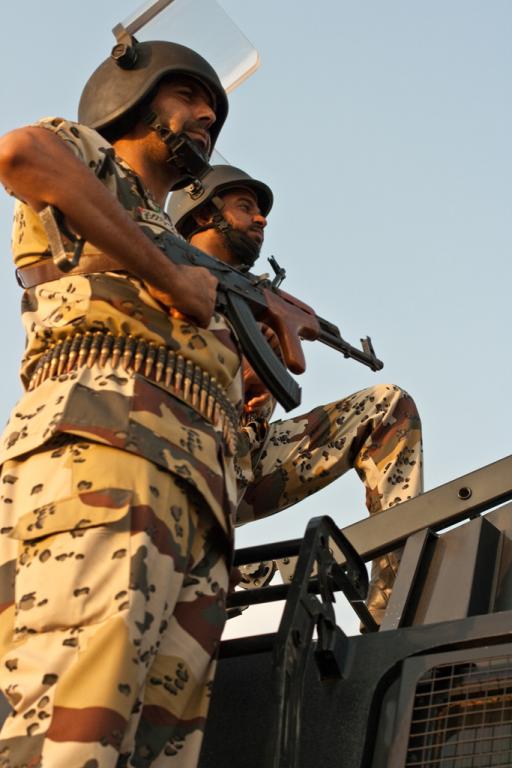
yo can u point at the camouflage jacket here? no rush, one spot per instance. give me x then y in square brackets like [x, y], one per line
[118, 406]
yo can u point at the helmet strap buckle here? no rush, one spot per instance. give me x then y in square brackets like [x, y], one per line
[219, 222]
[184, 153]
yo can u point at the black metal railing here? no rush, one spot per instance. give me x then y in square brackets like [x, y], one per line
[309, 607]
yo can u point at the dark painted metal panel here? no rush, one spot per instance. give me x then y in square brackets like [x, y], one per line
[413, 565]
[339, 717]
[460, 576]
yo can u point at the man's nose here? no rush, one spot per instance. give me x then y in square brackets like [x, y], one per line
[260, 219]
[205, 113]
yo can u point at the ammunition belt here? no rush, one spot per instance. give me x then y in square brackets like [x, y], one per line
[181, 377]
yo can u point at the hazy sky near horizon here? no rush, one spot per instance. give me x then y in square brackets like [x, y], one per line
[384, 130]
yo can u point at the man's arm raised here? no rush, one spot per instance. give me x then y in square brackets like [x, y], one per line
[38, 168]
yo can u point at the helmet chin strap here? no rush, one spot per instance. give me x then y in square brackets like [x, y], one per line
[242, 248]
[184, 154]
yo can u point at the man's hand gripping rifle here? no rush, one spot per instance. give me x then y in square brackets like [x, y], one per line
[246, 299]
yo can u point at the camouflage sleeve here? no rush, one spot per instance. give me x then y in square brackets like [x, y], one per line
[29, 239]
[263, 412]
[84, 142]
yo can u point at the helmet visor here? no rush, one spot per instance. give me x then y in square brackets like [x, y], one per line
[216, 38]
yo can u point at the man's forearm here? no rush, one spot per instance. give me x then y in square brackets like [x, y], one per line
[37, 167]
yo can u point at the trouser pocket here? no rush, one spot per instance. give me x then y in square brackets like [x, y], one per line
[71, 575]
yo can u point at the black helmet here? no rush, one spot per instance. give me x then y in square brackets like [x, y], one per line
[114, 89]
[184, 202]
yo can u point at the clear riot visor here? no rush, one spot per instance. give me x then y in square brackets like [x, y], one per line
[203, 26]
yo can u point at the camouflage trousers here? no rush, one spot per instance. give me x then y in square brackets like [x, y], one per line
[113, 589]
[376, 431]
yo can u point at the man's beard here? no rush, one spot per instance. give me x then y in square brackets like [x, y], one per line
[243, 248]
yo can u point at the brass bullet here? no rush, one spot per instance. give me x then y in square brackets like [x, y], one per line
[178, 376]
[46, 363]
[212, 390]
[35, 375]
[117, 350]
[40, 369]
[129, 349]
[187, 380]
[160, 363]
[54, 359]
[106, 348]
[150, 358]
[169, 368]
[216, 413]
[64, 355]
[39, 373]
[140, 354]
[204, 392]
[83, 352]
[73, 352]
[95, 348]
[196, 384]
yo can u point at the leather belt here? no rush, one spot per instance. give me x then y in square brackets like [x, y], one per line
[181, 377]
[45, 271]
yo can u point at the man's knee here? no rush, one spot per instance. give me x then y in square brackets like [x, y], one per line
[394, 400]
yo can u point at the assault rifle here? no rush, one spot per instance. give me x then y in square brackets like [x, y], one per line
[246, 299]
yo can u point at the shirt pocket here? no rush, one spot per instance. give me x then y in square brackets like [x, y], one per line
[73, 564]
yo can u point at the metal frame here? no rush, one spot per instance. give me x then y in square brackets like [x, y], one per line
[461, 499]
[309, 606]
[341, 568]
[145, 15]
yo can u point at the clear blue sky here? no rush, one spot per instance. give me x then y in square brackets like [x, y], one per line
[384, 130]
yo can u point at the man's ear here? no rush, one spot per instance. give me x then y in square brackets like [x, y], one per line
[203, 215]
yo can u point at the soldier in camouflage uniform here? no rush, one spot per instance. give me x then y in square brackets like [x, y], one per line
[117, 490]
[376, 431]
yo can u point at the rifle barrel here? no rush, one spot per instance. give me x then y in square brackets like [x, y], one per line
[330, 335]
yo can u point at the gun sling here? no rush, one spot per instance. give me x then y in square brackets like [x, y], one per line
[46, 271]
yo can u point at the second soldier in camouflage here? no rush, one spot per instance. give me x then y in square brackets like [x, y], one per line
[376, 431]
